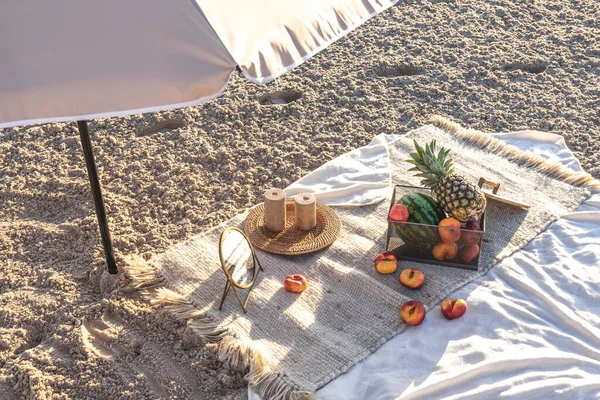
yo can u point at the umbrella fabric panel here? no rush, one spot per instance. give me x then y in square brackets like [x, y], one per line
[269, 37]
[68, 59]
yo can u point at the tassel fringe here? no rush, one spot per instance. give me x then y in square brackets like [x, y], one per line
[276, 387]
[239, 354]
[140, 275]
[524, 158]
[245, 353]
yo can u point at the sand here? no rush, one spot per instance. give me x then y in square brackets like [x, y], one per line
[68, 330]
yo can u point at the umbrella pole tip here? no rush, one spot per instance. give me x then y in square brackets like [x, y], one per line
[112, 265]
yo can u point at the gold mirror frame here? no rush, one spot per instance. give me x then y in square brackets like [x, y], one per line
[231, 283]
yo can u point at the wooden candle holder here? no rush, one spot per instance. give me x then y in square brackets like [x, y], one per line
[305, 211]
[275, 217]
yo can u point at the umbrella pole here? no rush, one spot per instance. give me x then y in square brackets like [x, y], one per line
[97, 193]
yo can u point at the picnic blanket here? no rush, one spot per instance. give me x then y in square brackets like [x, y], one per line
[532, 329]
[295, 345]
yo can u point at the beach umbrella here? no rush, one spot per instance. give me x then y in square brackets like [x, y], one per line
[70, 60]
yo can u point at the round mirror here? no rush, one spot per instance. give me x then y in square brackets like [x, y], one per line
[237, 258]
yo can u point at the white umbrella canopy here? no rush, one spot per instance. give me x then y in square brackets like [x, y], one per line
[69, 60]
[267, 38]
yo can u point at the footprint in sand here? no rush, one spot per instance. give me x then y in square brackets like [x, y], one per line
[106, 339]
[398, 70]
[279, 97]
[100, 339]
[7, 393]
[531, 68]
[159, 126]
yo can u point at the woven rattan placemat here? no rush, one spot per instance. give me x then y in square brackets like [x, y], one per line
[292, 241]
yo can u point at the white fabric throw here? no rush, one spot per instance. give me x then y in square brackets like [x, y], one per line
[358, 178]
[532, 329]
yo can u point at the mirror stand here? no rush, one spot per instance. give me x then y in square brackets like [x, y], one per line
[237, 260]
[228, 285]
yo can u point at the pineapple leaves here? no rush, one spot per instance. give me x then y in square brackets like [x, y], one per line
[415, 156]
[431, 165]
[420, 150]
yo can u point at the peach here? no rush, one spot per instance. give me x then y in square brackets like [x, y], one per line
[445, 251]
[472, 237]
[295, 283]
[412, 312]
[449, 229]
[398, 213]
[453, 308]
[412, 278]
[386, 263]
[468, 252]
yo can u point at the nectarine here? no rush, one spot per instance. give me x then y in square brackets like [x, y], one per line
[398, 213]
[412, 278]
[472, 237]
[295, 283]
[449, 229]
[453, 308]
[468, 252]
[386, 263]
[445, 251]
[412, 312]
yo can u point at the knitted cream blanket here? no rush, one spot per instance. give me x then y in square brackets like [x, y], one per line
[292, 344]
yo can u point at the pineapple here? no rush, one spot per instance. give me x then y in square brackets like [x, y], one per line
[457, 195]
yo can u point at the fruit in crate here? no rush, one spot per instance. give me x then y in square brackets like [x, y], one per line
[422, 209]
[295, 283]
[386, 263]
[412, 312]
[453, 308]
[468, 252]
[457, 195]
[399, 213]
[445, 251]
[412, 278]
[450, 229]
[472, 237]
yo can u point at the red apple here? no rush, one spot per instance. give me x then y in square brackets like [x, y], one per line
[399, 213]
[412, 312]
[472, 237]
[453, 308]
[386, 263]
[412, 278]
[295, 283]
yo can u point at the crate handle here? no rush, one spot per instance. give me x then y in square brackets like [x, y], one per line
[495, 186]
